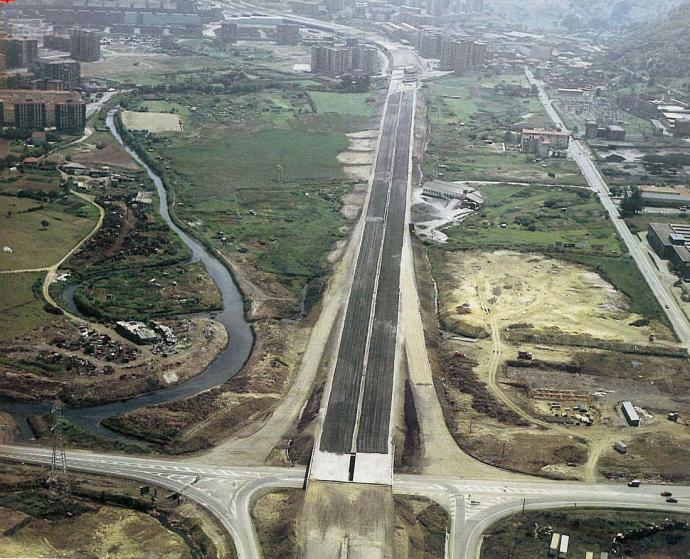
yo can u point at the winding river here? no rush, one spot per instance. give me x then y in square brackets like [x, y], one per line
[225, 366]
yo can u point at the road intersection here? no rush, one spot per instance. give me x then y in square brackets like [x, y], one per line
[229, 493]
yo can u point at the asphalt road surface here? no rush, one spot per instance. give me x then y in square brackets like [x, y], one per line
[228, 493]
[358, 412]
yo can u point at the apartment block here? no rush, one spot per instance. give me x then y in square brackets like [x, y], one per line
[19, 52]
[85, 45]
[70, 116]
[57, 74]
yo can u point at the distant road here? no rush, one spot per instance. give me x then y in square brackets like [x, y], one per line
[584, 160]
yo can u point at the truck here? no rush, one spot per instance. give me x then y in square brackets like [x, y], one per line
[553, 548]
[563, 549]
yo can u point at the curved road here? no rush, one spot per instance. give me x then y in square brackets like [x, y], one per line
[229, 493]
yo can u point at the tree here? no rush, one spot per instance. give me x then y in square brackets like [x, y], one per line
[45, 223]
[632, 202]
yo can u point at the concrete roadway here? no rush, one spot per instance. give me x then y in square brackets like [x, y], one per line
[339, 425]
[584, 160]
[228, 493]
[359, 403]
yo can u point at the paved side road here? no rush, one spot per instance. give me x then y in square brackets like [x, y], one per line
[583, 158]
[228, 493]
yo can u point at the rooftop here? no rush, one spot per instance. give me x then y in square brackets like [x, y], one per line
[544, 131]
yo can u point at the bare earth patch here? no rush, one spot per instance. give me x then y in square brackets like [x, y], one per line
[153, 122]
[544, 293]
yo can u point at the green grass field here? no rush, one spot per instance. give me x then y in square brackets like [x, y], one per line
[528, 535]
[35, 245]
[537, 218]
[639, 222]
[567, 223]
[32, 179]
[344, 103]
[21, 305]
[141, 294]
[263, 169]
[474, 136]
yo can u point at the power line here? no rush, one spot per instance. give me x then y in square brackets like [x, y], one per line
[58, 480]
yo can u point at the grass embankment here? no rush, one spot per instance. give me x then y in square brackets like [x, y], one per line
[262, 169]
[648, 535]
[567, 223]
[77, 437]
[466, 113]
[39, 232]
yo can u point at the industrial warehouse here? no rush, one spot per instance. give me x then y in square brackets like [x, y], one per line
[671, 241]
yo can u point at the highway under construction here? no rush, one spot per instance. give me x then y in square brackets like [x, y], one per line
[355, 440]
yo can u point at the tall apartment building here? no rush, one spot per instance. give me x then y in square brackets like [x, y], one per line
[438, 8]
[19, 52]
[429, 43]
[474, 6]
[287, 34]
[30, 115]
[85, 45]
[36, 110]
[57, 74]
[340, 60]
[462, 54]
[365, 58]
[227, 33]
[70, 116]
[334, 60]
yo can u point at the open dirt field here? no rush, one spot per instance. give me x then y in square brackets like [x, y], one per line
[537, 293]
[58, 356]
[100, 149]
[153, 122]
[588, 352]
[661, 456]
[421, 526]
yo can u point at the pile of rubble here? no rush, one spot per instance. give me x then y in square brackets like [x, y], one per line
[101, 346]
